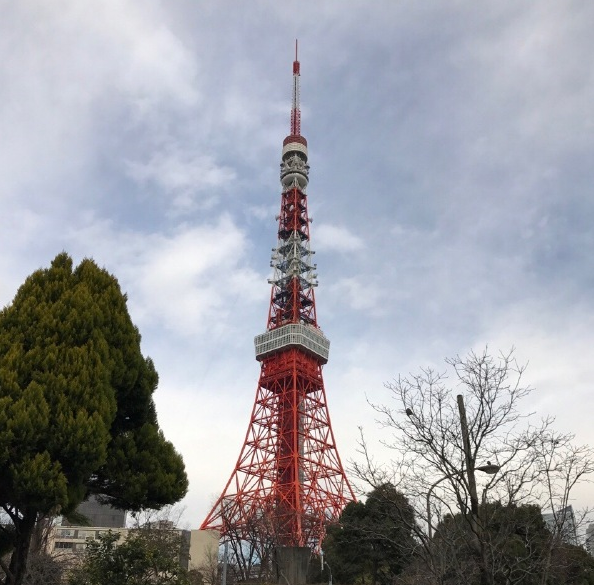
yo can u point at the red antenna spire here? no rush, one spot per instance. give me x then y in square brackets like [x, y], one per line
[295, 110]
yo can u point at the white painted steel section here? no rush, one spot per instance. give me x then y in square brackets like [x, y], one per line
[305, 337]
[295, 147]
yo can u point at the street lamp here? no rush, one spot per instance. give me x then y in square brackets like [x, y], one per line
[489, 469]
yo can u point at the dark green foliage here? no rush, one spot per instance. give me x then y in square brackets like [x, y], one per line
[571, 565]
[76, 409]
[146, 556]
[373, 542]
[521, 549]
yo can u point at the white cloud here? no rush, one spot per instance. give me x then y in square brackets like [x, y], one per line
[67, 73]
[182, 176]
[186, 282]
[189, 282]
[337, 238]
[359, 294]
[555, 346]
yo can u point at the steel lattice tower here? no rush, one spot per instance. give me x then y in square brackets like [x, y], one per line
[289, 482]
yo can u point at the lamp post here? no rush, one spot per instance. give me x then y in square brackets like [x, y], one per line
[325, 564]
[225, 562]
[477, 529]
[330, 571]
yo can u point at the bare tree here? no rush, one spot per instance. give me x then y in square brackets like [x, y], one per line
[168, 516]
[211, 567]
[441, 443]
[45, 566]
[251, 550]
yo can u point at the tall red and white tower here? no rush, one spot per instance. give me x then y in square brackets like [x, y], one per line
[289, 482]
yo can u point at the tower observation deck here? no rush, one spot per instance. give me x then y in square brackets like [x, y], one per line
[288, 482]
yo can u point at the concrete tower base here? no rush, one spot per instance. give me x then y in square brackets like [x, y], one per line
[292, 564]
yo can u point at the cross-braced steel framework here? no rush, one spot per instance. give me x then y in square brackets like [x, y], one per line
[289, 482]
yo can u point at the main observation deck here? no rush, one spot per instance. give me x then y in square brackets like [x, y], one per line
[295, 335]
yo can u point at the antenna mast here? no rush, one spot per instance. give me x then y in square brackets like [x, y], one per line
[295, 110]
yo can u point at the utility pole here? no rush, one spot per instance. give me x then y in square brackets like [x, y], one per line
[475, 524]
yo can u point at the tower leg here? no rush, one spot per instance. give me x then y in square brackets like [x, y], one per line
[292, 563]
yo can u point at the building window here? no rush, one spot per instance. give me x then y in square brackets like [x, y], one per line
[86, 534]
[66, 533]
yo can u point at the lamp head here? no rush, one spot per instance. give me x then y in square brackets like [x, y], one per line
[490, 468]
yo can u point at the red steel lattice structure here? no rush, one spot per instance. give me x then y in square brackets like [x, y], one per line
[289, 482]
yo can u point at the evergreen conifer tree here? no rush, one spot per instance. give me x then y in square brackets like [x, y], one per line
[77, 415]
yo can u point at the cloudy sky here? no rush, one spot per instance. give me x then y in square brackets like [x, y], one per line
[452, 168]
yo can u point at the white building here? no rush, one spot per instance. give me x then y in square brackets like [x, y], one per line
[562, 522]
[199, 547]
[590, 538]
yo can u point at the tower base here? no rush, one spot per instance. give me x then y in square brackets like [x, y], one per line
[292, 563]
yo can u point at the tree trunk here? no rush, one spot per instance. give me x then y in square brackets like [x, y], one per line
[18, 561]
[547, 563]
